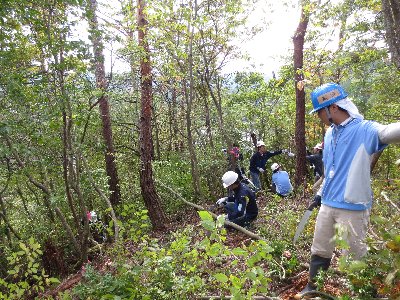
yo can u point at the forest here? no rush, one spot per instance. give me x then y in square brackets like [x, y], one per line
[117, 120]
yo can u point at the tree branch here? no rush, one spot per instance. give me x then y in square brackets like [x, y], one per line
[237, 227]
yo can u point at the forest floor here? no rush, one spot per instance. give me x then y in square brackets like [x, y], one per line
[277, 221]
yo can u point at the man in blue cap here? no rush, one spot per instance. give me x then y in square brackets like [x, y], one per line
[345, 195]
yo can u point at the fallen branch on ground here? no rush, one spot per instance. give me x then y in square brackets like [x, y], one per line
[390, 201]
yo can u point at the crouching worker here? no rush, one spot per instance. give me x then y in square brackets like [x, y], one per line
[241, 207]
[280, 181]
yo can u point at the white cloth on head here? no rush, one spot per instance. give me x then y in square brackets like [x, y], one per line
[350, 107]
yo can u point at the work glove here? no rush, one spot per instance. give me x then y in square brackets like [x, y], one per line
[222, 201]
[315, 203]
[261, 170]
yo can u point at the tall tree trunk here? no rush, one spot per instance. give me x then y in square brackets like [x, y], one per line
[3, 210]
[149, 194]
[189, 100]
[300, 140]
[208, 122]
[391, 14]
[101, 82]
[349, 4]
[157, 152]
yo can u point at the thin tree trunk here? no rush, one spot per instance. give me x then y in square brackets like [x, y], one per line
[149, 194]
[342, 31]
[298, 41]
[101, 82]
[391, 14]
[176, 112]
[7, 222]
[189, 100]
[208, 122]
[157, 138]
[3, 212]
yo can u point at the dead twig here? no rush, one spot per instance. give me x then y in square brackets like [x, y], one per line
[390, 201]
[297, 276]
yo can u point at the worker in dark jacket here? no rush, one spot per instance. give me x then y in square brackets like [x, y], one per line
[242, 207]
[316, 160]
[258, 162]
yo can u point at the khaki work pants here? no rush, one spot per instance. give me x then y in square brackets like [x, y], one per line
[353, 223]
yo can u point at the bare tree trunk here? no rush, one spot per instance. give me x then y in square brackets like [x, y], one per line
[157, 153]
[343, 21]
[391, 14]
[71, 167]
[101, 82]
[204, 94]
[374, 159]
[7, 222]
[3, 212]
[150, 196]
[189, 100]
[298, 41]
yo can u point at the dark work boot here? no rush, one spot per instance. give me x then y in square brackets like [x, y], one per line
[317, 263]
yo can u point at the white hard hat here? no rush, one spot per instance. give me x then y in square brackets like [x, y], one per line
[275, 166]
[260, 143]
[229, 178]
[318, 146]
[93, 216]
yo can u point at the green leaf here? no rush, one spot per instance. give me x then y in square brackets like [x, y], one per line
[53, 280]
[23, 246]
[236, 282]
[239, 251]
[221, 277]
[357, 266]
[251, 275]
[208, 224]
[215, 249]
[205, 215]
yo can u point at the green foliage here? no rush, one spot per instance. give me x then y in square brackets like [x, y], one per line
[25, 276]
[361, 277]
[46, 83]
[159, 274]
[379, 271]
[134, 224]
[176, 171]
[176, 271]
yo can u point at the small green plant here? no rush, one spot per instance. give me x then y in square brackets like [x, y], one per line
[360, 277]
[134, 225]
[378, 271]
[25, 276]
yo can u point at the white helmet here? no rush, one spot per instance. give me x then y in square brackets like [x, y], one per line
[318, 146]
[275, 166]
[260, 143]
[229, 178]
[93, 216]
